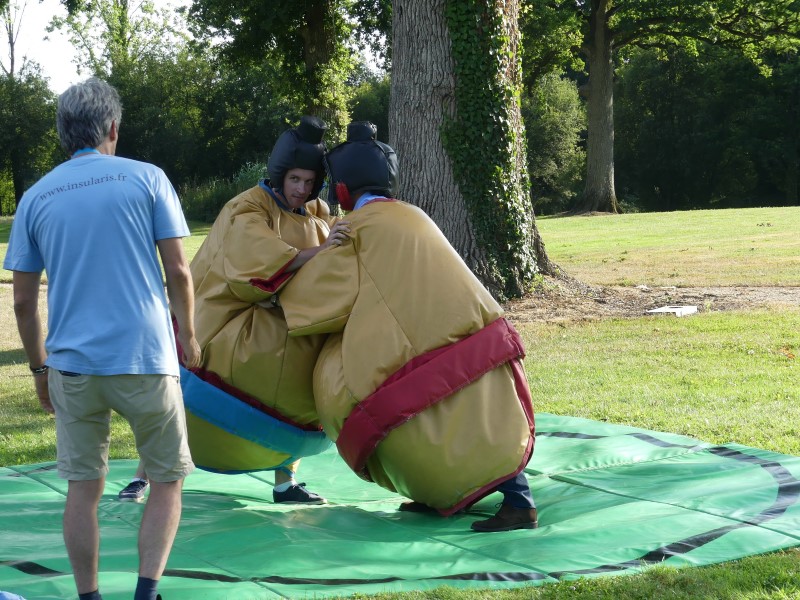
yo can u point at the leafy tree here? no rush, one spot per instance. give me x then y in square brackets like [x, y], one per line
[199, 119]
[549, 39]
[371, 103]
[184, 109]
[679, 124]
[28, 145]
[305, 39]
[243, 111]
[456, 126]
[554, 120]
[776, 126]
[374, 30]
[607, 26]
[162, 122]
[705, 130]
[111, 35]
[28, 141]
[144, 53]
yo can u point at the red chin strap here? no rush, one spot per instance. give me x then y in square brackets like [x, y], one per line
[343, 196]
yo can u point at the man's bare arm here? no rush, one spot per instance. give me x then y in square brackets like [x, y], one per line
[180, 290]
[29, 325]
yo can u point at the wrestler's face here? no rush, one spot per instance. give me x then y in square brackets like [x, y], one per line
[297, 186]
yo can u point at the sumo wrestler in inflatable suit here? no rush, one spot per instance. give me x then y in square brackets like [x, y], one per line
[250, 405]
[420, 382]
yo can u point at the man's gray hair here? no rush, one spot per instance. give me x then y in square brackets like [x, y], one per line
[85, 112]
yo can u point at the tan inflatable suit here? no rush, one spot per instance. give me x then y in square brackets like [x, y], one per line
[246, 351]
[421, 385]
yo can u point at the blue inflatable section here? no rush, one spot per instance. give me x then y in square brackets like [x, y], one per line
[242, 420]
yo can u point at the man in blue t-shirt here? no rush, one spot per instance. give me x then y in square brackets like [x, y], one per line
[97, 224]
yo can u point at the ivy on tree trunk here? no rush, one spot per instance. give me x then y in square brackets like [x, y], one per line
[466, 164]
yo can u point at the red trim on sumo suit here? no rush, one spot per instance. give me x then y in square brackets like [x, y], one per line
[427, 379]
[524, 393]
[275, 282]
[218, 382]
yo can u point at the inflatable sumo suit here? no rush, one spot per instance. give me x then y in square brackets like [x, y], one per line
[421, 383]
[250, 405]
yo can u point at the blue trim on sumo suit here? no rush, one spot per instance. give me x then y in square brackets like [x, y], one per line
[242, 420]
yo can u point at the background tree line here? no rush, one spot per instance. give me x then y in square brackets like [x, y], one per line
[698, 127]
[676, 105]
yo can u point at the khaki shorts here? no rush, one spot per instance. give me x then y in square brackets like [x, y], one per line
[152, 405]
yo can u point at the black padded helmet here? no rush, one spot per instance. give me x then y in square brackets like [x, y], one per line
[299, 148]
[361, 164]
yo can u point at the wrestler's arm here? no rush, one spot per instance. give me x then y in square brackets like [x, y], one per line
[321, 295]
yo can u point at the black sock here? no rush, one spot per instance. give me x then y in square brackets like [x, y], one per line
[146, 589]
[95, 595]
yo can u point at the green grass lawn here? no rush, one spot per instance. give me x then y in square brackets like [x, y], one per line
[752, 247]
[717, 376]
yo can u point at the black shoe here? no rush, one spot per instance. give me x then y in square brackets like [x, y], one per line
[134, 491]
[297, 494]
[508, 518]
[416, 507]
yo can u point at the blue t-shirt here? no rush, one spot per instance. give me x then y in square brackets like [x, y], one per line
[93, 223]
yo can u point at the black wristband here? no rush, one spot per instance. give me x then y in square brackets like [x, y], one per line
[38, 370]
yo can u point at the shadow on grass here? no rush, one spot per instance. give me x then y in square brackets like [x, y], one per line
[12, 357]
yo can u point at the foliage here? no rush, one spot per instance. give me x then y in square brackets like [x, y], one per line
[242, 112]
[753, 27]
[203, 201]
[185, 110]
[160, 95]
[554, 120]
[551, 40]
[706, 129]
[775, 126]
[28, 143]
[374, 31]
[371, 103]
[112, 35]
[482, 141]
[8, 202]
[305, 39]
[195, 118]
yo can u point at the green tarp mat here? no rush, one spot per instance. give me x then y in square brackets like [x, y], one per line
[611, 499]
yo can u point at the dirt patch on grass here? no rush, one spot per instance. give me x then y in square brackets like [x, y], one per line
[569, 300]
[558, 300]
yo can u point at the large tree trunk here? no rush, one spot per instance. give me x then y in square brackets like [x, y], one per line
[599, 194]
[423, 101]
[422, 96]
